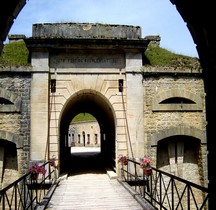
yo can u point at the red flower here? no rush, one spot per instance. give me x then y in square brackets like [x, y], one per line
[122, 159]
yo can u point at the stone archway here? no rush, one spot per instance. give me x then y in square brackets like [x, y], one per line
[10, 155]
[180, 149]
[11, 137]
[94, 103]
[180, 130]
[202, 30]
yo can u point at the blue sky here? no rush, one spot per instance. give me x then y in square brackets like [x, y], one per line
[155, 17]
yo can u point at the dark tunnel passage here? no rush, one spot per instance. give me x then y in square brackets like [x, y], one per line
[94, 103]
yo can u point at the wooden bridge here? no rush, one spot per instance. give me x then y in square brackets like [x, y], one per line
[90, 186]
[94, 191]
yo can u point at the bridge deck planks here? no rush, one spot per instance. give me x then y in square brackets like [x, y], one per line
[93, 192]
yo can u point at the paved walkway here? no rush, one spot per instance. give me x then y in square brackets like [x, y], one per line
[92, 191]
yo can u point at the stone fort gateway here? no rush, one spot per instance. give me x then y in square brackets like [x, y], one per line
[141, 110]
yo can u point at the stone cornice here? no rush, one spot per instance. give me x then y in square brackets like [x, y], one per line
[124, 45]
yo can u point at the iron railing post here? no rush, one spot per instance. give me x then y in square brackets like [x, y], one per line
[162, 184]
[22, 194]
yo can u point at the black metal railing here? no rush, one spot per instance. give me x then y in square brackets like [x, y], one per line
[26, 193]
[164, 190]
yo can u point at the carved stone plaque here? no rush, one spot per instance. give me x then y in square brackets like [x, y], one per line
[87, 61]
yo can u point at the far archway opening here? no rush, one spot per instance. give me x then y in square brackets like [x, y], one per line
[84, 140]
[88, 145]
[84, 133]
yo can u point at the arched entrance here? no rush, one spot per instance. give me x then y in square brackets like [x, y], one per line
[203, 36]
[97, 105]
[179, 155]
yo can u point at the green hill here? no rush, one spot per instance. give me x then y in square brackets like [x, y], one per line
[157, 56]
[16, 54]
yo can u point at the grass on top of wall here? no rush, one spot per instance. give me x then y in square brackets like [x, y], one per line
[16, 54]
[83, 117]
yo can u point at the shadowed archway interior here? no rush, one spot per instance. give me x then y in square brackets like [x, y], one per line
[96, 105]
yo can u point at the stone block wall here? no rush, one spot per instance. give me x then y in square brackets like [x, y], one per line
[15, 123]
[157, 123]
[175, 121]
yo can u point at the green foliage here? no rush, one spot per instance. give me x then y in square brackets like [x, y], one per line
[157, 56]
[83, 117]
[14, 54]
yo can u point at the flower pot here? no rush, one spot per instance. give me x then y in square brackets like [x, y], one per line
[125, 162]
[52, 163]
[147, 171]
[35, 176]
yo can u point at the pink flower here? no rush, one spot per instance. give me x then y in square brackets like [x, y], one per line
[146, 160]
[43, 171]
[36, 169]
[145, 163]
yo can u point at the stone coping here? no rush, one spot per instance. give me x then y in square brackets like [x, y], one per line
[85, 30]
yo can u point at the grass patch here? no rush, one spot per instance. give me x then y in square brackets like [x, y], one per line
[83, 117]
[15, 54]
[157, 56]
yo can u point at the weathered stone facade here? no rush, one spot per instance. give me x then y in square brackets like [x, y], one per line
[175, 121]
[15, 85]
[99, 69]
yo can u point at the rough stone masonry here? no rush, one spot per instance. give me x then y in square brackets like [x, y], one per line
[163, 107]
